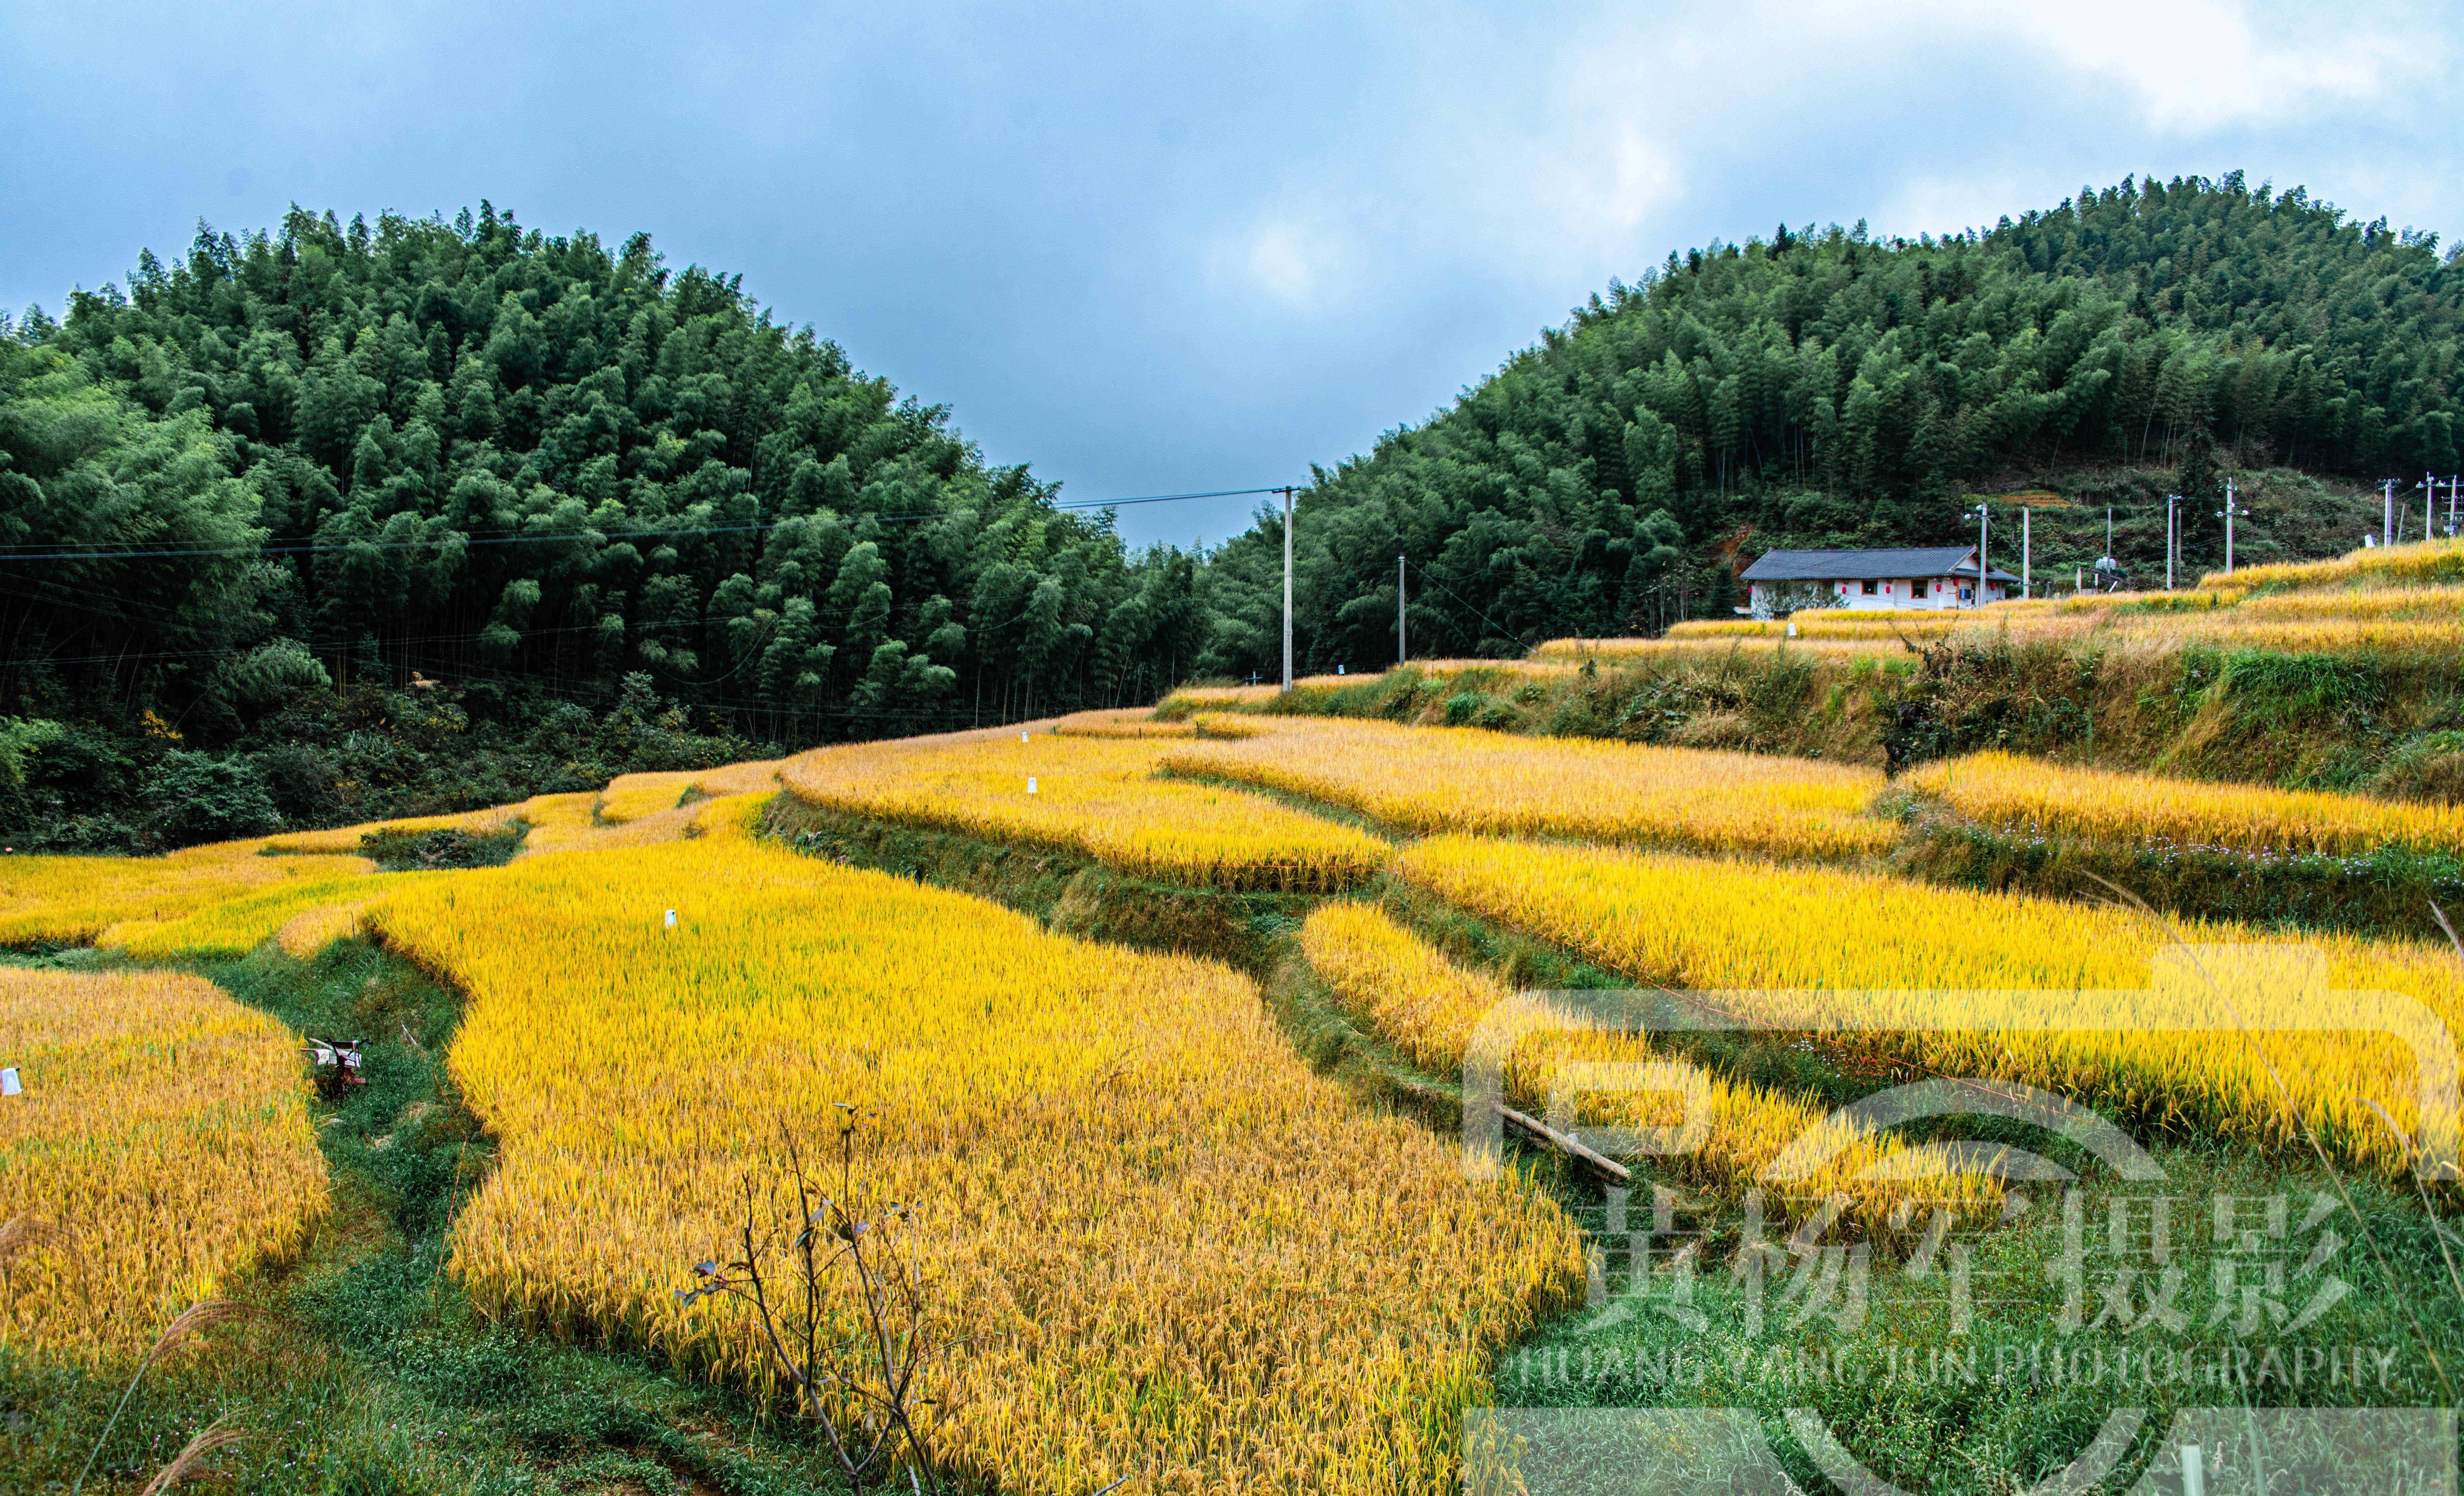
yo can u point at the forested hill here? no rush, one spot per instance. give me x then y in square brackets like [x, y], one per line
[1835, 389]
[524, 467]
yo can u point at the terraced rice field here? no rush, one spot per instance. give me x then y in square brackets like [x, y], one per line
[1710, 1129]
[1425, 780]
[1095, 796]
[1128, 1181]
[1827, 949]
[66, 900]
[160, 1148]
[2026, 797]
[1173, 1250]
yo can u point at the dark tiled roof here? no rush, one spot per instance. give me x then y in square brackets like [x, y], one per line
[1923, 561]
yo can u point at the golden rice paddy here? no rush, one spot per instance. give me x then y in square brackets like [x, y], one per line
[630, 796]
[1095, 796]
[1573, 654]
[1462, 778]
[160, 1150]
[1120, 722]
[2421, 563]
[1428, 1009]
[348, 838]
[237, 926]
[311, 929]
[1226, 695]
[67, 900]
[2415, 603]
[2014, 795]
[1823, 948]
[1174, 1251]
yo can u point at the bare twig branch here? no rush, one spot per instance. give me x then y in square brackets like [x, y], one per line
[859, 1371]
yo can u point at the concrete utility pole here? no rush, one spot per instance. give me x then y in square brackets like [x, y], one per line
[1982, 518]
[1402, 646]
[2027, 547]
[2429, 505]
[2453, 481]
[2171, 537]
[2229, 512]
[2386, 527]
[1288, 589]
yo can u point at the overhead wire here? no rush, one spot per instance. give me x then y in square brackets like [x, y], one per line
[466, 538]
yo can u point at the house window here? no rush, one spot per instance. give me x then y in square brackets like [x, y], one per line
[1918, 587]
[1867, 587]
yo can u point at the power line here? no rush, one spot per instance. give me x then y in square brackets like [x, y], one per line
[458, 537]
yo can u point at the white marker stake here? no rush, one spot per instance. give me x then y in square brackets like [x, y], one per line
[672, 919]
[1022, 737]
[1031, 783]
[2194, 1471]
[9, 1086]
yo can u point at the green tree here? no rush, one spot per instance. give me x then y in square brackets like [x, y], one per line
[482, 454]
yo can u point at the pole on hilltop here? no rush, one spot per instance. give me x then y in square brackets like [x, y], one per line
[1287, 588]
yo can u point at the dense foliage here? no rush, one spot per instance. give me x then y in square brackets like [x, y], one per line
[532, 468]
[1833, 389]
[350, 522]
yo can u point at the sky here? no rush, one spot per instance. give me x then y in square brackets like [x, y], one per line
[1189, 246]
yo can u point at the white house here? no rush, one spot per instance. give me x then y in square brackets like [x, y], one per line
[1922, 577]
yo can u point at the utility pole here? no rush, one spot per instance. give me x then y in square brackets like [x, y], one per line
[2027, 551]
[2429, 505]
[2231, 510]
[2172, 539]
[2453, 480]
[1287, 588]
[2386, 527]
[1982, 518]
[1402, 648]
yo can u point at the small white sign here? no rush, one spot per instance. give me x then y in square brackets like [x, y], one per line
[672, 919]
[1022, 737]
[9, 1083]
[1031, 783]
